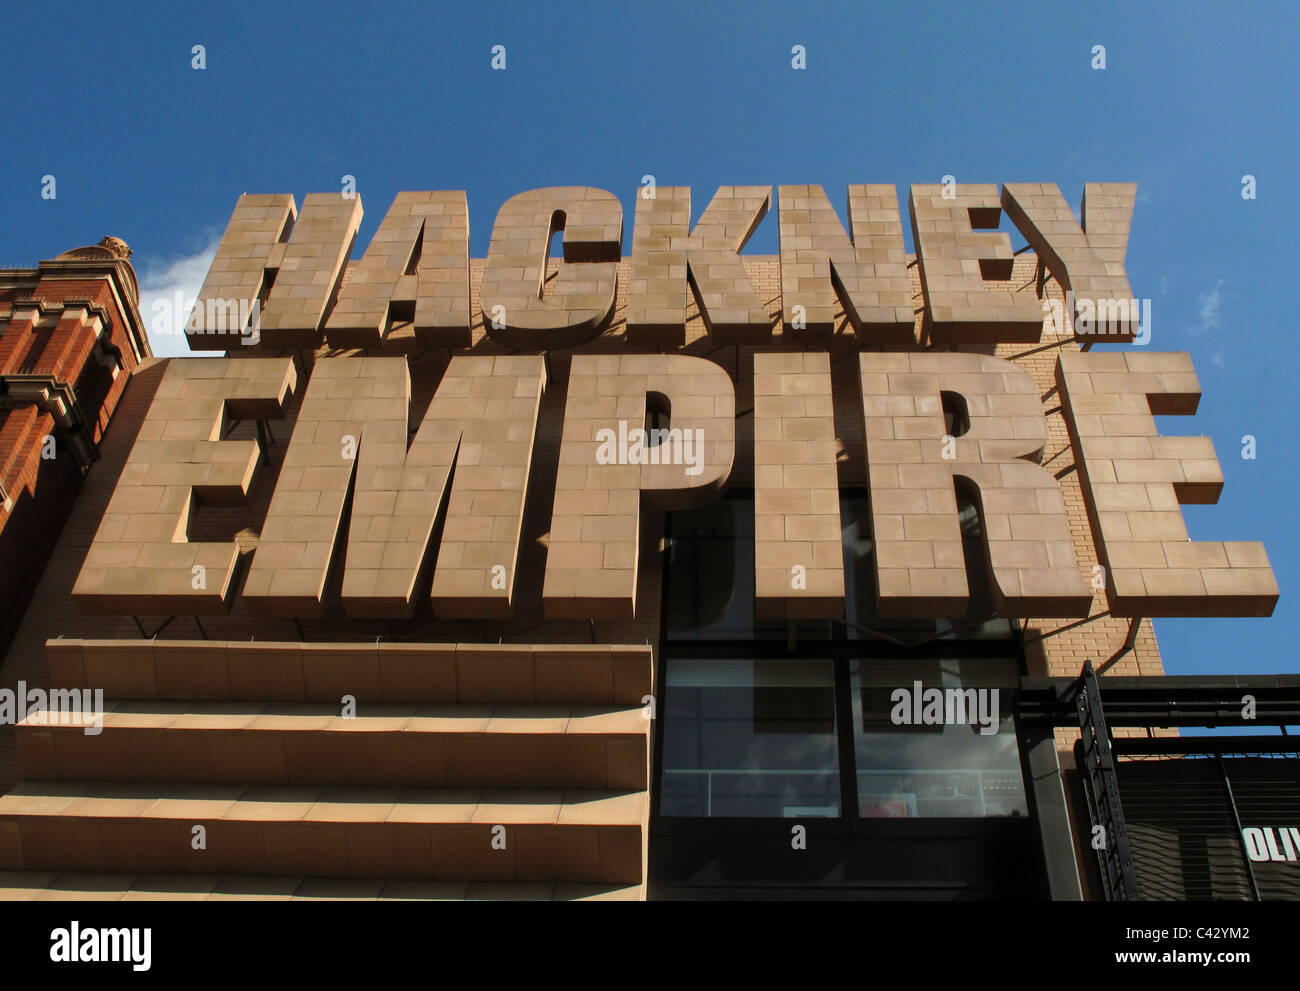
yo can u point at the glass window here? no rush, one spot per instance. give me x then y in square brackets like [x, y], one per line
[710, 592]
[750, 738]
[936, 738]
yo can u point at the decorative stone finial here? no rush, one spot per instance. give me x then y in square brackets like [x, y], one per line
[116, 245]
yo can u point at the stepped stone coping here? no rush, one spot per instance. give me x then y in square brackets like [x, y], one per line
[385, 744]
[323, 717]
[371, 672]
[83, 886]
[279, 804]
[577, 836]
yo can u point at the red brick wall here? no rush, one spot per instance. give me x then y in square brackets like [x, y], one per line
[42, 490]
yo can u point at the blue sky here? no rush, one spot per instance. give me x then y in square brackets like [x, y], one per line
[402, 96]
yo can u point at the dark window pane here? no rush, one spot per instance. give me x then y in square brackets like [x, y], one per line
[710, 592]
[749, 738]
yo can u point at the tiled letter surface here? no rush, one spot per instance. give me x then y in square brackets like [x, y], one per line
[1087, 260]
[239, 270]
[868, 274]
[140, 561]
[309, 269]
[591, 562]
[524, 306]
[1134, 481]
[955, 258]
[665, 248]
[481, 421]
[912, 464]
[493, 403]
[431, 229]
[798, 557]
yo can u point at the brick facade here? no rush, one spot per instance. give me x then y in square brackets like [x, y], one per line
[70, 337]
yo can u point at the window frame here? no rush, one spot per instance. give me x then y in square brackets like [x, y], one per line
[839, 650]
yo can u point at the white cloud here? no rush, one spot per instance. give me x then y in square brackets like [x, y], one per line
[1208, 306]
[168, 289]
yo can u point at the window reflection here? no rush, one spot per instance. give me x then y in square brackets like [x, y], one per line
[745, 737]
[750, 738]
[936, 769]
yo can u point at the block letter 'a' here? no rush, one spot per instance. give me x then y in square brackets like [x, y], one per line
[351, 437]
[915, 458]
[416, 270]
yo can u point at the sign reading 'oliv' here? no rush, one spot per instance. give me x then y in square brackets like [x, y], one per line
[1281, 843]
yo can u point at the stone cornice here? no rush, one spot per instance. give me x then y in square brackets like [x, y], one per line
[122, 280]
[59, 400]
[52, 307]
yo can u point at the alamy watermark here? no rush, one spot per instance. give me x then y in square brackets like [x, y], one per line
[64, 706]
[1090, 317]
[133, 945]
[657, 446]
[919, 706]
[207, 316]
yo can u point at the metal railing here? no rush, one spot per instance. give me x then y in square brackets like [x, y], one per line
[1097, 762]
[987, 787]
